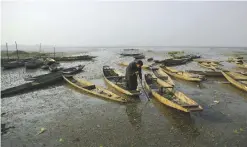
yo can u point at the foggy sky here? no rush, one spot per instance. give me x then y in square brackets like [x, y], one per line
[105, 23]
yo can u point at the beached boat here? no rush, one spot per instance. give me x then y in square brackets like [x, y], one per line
[13, 64]
[55, 67]
[90, 88]
[160, 74]
[172, 61]
[117, 81]
[189, 57]
[236, 79]
[139, 57]
[75, 58]
[130, 54]
[126, 64]
[209, 65]
[166, 94]
[150, 59]
[206, 73]
[235, 59]
[183, 75]
[66, 71]
[208, 61]
[34, 63]
[38, 83]
[73, 70]
[244, 65]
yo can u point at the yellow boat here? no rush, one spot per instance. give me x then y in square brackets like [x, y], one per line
[236, 79]
[117, 81]
[166, 94]
[242, 65]
[208, 61]
[90, 88]
[126, 64]
[183, 75]
[208, 65]
[235, 59]
[160, 74]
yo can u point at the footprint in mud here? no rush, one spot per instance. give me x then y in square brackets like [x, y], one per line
[5, 129]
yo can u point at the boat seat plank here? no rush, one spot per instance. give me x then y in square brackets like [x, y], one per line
[167, 87]
[90, 87]
[114, 77]
[186, 105]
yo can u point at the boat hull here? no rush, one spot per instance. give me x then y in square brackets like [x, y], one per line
[112, 96]
[183, 75]
[234, 81]
[119, 88]
[170, 103]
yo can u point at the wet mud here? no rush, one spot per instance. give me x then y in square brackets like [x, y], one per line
[72, 118]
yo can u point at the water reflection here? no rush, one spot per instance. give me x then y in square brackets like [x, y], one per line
[179, 120]
[134, 115]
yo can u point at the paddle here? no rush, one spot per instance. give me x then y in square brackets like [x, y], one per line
[144, 90]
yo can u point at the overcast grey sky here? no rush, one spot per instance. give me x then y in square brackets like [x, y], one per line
[102, 23]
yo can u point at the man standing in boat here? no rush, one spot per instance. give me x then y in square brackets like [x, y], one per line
[132, 70]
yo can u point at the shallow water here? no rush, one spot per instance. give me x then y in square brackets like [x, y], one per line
[84, 120]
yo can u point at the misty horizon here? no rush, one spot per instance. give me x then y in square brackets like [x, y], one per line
[124, 24]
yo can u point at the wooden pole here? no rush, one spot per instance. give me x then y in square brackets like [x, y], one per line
[7, 51]
[40, 50]
[54, 53]
[17, 50]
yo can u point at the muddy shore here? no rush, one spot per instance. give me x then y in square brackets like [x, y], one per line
[71, 118]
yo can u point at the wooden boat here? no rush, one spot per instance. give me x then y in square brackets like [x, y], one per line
[160, 74]
[206, 73]
[130, 49]
[65, 72]
[73, 70]
[183, 75]
[55, 67]
[90, 88]
[75, 58]
[126, 64]
[150, 59]
[172, 61]
[34, 63]
[244, 65]
[139, 57]
[166, 94]
[237, 79]
[235, 59]
[38, 83]
[208, 61]
[189, 57]
[208, 65]
[130, 54]
[117, 81]
[13, 64]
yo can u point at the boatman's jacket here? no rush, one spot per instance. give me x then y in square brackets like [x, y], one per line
[131, 77]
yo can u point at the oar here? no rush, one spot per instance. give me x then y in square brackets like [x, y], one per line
[144, 90]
